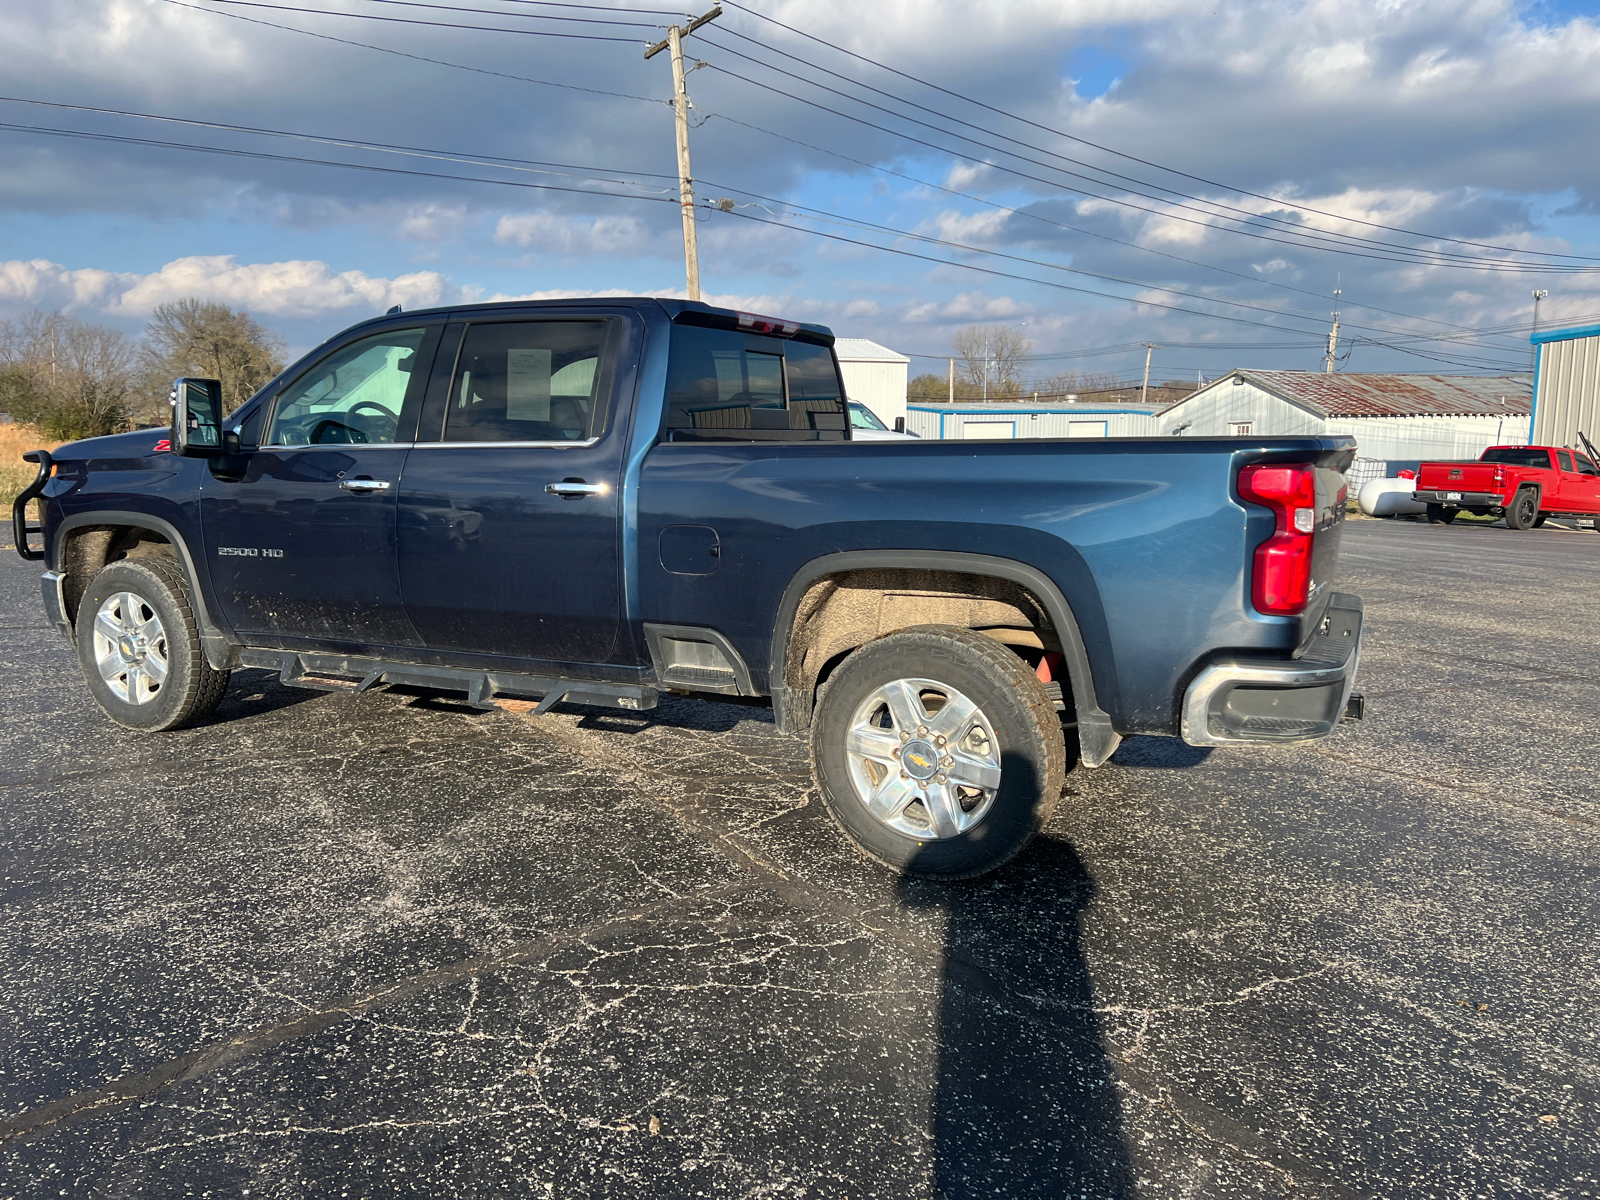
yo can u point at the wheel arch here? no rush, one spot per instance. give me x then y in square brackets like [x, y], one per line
[792, 705]
[219, 650]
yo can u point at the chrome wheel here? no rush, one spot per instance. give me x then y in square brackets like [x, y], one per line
[130, 648]
[923, 759]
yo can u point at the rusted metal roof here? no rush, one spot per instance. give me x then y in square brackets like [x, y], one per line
[1400, 395]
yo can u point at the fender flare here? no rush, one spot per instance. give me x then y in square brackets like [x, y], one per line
[1097, 739]
[220, 651]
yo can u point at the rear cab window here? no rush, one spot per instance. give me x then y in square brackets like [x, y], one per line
[726, 385]
[1518, 456]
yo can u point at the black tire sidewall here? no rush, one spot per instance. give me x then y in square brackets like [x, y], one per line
[1031, 777]
[1514, 514]
[185, 657]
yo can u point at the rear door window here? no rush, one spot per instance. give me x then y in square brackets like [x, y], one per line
[1564, 459]
[530, 381]
[726, 385]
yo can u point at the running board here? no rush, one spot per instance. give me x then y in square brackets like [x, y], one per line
[339, 673]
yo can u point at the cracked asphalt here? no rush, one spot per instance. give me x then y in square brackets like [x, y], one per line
[391, 945]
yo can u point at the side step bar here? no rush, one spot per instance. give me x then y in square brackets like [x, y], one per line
[338, 673]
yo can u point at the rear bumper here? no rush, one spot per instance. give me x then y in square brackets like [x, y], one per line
[1464, 499]
[1276, 699]
[55, 602]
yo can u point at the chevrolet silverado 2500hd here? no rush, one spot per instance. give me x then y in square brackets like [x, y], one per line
[597, 501]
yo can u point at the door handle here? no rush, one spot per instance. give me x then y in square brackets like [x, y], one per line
[575, 489]
[362, 486]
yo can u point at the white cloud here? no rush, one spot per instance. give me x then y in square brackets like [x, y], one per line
[297, 288]
[553, 233]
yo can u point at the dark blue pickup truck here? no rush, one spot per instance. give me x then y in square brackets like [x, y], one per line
[598, 501]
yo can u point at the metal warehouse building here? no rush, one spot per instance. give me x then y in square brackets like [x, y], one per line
[1566, 387]
[978, 421]
[1395, 419]
[874, 375]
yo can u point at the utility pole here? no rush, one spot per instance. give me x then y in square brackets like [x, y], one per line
[952, 381]
[1149, 349]
[986, 366]
[1332, 356]
[1533, 358]
[680, 107]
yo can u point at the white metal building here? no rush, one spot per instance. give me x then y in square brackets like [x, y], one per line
[875, 376]
[978, 421]
[1566, 387]
[1395, 419]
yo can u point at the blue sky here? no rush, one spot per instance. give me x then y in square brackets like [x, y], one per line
[1207, 169]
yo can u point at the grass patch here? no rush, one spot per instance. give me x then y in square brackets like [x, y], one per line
[16, 440]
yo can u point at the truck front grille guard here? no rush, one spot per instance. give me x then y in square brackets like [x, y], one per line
[20, 528]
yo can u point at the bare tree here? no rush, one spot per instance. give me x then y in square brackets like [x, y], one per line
[991, 359]
[203, 338]
[66, 378]
[1064, 383]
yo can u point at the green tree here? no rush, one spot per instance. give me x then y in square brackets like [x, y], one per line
[66, 378]
[209, 340]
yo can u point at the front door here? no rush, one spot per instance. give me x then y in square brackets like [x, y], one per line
[301, 547]
[510, 529]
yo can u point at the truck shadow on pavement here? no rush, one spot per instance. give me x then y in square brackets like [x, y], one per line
[1024, 1104]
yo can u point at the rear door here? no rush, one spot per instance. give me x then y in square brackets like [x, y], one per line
[301, 546]
[509, 512]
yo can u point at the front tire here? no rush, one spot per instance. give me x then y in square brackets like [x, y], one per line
[139, 647]
[938, 752]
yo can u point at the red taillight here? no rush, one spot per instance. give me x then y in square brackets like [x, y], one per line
[1499, 476]
[1281, 584]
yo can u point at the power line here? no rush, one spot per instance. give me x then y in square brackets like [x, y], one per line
[1134, 158]
[333, 12]
[1336, 243]
[438, 62]
[322, 162]
[499, 12]
[506, 163]
[1071, 228]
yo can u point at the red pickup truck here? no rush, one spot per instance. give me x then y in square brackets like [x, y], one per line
[1525, 484]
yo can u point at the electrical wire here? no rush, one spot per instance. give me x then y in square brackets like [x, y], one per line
[500, 161]
[1134, 158]
[438, 62]
[333, 12]
[232, 152]
[1334, 243]
[1032, 216]
[498, 12]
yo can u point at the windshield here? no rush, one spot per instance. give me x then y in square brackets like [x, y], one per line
[1517, 456]
[862, 417]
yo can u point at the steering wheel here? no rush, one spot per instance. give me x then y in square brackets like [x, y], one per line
[391, 418]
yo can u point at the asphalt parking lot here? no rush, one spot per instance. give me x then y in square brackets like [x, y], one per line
[393, 945]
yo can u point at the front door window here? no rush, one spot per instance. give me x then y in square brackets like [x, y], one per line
[354, 396]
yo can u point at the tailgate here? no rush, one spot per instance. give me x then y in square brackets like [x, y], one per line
[1456, 477]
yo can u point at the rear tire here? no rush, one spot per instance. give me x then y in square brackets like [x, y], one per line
[1523, 510]
[1438, 514]
[1538, 522]
[938, 752]
[139, 647]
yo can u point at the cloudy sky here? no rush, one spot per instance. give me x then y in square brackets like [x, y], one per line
[1100, 173]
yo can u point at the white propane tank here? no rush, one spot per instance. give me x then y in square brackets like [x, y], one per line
[1389, 498]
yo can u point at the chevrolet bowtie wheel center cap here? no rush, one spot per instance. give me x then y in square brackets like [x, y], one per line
[920, 759]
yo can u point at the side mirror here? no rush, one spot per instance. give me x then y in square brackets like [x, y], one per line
[196, 417]
[899, 424]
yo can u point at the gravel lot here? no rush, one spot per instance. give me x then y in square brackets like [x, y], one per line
[389, 945]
